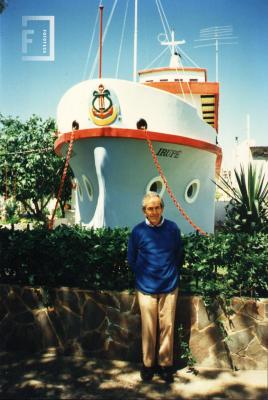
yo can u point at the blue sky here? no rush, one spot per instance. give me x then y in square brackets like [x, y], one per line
[29, 87]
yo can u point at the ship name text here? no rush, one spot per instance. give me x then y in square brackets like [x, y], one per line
[168, 153]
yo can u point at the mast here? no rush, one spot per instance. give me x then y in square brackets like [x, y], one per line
[100, 45]
[135, 41]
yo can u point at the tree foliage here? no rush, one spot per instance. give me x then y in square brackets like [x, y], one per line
[3, 4]
[248, 209]
[30, 171]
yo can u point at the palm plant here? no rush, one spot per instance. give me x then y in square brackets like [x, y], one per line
[248, 208]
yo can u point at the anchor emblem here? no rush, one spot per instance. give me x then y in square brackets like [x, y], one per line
[103, 111]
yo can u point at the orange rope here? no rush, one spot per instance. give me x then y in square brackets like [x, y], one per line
[171, 194]
[68, 156]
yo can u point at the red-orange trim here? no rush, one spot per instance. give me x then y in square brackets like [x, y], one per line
[108, 131]
[216, 123]
[177, 87]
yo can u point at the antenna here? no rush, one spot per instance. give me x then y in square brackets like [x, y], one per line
[217, 35]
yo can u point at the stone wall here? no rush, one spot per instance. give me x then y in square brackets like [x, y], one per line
[107, 324]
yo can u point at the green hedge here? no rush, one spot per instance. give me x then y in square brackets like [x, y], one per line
[227, 264]
[221, 264]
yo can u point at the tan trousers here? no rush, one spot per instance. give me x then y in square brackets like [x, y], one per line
[157, 311]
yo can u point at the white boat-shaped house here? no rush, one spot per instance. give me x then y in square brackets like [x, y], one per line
[111, 159]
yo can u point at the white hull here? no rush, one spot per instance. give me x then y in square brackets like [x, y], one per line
[114, 167]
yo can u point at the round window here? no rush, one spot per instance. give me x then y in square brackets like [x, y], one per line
[156, 185]
[88, 187]
[80, 192]
[192, 190]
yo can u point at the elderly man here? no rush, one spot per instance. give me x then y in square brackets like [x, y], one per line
[154, 253]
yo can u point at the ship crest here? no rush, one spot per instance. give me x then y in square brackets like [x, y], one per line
[103, 110]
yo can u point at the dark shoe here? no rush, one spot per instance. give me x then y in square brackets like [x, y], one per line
[147, 373]
[166, 373]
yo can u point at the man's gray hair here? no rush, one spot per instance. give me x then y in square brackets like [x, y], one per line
[150, 195]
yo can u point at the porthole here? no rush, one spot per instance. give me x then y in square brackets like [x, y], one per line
[80, 192]
[156, 185]
[88, 186]
[192, 190]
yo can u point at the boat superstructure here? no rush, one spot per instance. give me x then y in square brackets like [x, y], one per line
[111, 159]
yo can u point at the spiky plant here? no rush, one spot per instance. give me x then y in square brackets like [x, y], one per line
[248, 208]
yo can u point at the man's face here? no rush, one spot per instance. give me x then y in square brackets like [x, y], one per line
[153, 210]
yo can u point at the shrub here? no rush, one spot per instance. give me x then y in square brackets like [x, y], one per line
[248, 209]
[217, 265]
[11, 212]
[227, 264]
[66, 256]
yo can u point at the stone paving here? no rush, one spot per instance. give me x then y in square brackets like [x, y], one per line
[52, 376]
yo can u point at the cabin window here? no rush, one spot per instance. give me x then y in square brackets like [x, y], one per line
[192, 190]
[163, 80]
[156, 185]
[193, 80]
[88, 186]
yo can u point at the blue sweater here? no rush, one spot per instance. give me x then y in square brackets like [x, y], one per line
[154, 254]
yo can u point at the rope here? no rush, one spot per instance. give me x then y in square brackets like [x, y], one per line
[90, 47]
[163, 15]
[156, 58]
[121, 41]
[171, 194]
[163, 23]
[189, 58]
[68, 156]
[160, 7]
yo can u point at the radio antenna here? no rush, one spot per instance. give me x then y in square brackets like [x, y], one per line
[216, 36]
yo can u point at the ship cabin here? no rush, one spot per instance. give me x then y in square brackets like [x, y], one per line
[190, 84]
